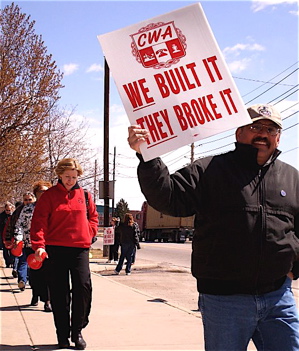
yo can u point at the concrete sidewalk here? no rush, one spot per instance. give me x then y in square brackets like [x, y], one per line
[121, 318]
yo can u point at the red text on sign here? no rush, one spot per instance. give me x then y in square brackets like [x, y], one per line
[157, 124]
[228, 100]
[155, 35]
[137, 93]
[197, 111]
[210, 63]
[177, 80]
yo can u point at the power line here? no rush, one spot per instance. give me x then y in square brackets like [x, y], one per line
[269, 102]
[285, 97]
[272, 86]
[292, 114]
[268, 82]
[294, 125]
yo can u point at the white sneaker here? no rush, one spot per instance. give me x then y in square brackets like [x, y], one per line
[128, 273]
[116, 272]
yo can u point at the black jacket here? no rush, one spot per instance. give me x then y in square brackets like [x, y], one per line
[3, 220]
[246, 235]
[12, 223]
[129, 234]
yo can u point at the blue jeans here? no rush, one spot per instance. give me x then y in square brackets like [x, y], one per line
[22, 267]
[126, 251]
[270, 320]
[15, 263]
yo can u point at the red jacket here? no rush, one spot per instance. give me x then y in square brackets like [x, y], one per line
[60, 218]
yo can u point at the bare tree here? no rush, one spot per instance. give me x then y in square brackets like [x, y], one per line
[29, 87]
[67, 137]
[30, 81]
[35, 134]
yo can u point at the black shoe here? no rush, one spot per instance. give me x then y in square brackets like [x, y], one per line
[34, 301]
[63, 344]
[21, 285]
[14, 273]
[48, 307]
[80, 343]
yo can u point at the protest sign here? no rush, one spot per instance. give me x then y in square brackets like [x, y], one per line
[173, 79]
[108, 236]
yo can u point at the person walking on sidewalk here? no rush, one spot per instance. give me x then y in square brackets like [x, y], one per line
[129, 239]
[38, 277]
[245, 248]
[63, 226]
[4, 217]
[113, 249]
[21, 231]
[18, 229]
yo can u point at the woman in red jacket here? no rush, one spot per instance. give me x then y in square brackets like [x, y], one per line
[63, 225]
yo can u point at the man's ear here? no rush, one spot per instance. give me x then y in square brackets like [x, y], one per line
[238, 133]
[278, 139]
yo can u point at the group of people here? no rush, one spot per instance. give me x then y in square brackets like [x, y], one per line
[245, 248]
[58, 224]
[15, 231]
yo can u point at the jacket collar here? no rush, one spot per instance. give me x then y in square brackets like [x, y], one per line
[246, 154]
[76, 186]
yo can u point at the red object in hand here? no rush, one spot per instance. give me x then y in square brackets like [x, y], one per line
[17, 250]
[33, 263]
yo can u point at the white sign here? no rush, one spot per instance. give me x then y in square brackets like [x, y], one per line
[108, 236]
[173, 80]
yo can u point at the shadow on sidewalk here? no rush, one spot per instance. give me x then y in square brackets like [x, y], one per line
[18, 308]
[30, 347]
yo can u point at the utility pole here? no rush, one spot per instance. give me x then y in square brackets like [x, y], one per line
[95, 181]
[113, 179]
[106, 152]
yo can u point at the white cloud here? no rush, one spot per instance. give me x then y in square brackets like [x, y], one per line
[239, 65]
[238, 48]
[95, 67]
[295, 13]
[258, 5]
[240, 56]
[70, 68]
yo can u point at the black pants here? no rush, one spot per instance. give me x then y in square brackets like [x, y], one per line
[70, 288]
[38, 280]
[113, 252]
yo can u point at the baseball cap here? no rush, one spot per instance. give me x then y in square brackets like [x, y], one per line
[264, 111]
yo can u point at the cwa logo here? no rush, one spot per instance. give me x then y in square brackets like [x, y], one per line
[158, 45]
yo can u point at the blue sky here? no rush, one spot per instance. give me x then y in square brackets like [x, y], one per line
[258, 39]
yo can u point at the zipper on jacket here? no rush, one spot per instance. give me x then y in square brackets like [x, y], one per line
[69, 199]
[262, 232]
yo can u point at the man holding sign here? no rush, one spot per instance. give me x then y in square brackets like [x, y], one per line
[246, 240]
